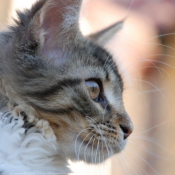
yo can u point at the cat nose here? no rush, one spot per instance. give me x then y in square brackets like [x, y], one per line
[127, 130]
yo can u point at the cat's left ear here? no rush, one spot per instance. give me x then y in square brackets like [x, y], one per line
[104, 36]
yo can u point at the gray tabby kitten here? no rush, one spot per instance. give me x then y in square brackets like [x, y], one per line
[54, 78]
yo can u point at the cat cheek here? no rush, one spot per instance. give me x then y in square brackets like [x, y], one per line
[114, 101]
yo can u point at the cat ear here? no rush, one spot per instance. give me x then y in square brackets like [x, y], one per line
[51, 23]
[102, 37]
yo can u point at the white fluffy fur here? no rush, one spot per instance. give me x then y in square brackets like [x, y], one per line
[29, 152]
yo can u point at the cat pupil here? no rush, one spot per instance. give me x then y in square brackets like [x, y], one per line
[93, 88]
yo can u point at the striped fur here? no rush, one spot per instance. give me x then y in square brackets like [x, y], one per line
[44, 63]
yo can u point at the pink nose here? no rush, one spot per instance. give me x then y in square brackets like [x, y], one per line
[126, 130]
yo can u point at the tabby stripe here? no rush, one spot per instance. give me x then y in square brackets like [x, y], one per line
[104, 59]
[55, 88]
[52, 110]
[101, 55]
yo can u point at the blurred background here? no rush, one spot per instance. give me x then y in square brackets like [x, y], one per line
[144, 51]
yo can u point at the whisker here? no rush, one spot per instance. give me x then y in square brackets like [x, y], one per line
[122, 165]
[87, 146]
[75, 145]
[149, 152]
[138, 61]
[78, 157]
[159, 69]
[90, 119]
[150, 129]
[97, 151]
[154, 142]
[134, 166]
[162, 35]
[163, 95]
[103, 138]
[92, 150]
[106, 62]
[157, 61]
[127, 11]
[125, 162]
[143, 160]
[110, 149]
[102, 151]
[162, 45]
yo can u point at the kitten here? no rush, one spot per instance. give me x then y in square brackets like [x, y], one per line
[63, 92]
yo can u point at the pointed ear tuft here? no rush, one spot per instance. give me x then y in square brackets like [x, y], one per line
[103, 36]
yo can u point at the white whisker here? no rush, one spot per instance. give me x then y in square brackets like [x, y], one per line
[162, 35]
[92, 150]
[90, 119]
[75, 145]
[85, 153]
[151, 140]
[106, 62]
[143, 132]
[143, 160]
[149, 152]
[78, 157]
[97, 151]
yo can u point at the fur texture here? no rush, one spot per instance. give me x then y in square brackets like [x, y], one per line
[45, 63]
[28, 149]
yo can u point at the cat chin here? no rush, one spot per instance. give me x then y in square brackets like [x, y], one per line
[94, 155]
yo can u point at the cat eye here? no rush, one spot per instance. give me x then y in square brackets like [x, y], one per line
[93, 89]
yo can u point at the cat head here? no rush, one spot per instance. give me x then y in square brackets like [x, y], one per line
[68, 79]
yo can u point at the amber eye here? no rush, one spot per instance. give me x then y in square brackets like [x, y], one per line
[93, 89]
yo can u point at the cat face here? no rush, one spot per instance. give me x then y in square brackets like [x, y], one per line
[67, 79]
[84, 106]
